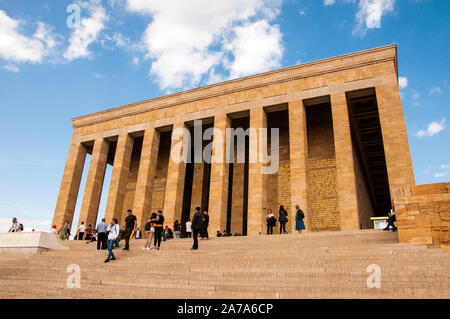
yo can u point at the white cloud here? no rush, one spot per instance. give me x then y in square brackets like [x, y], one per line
[403, 82]
[188, 41]
[432, 129]
[121, 40]
[445, 171]
[11, 68]
[436, 90]
[256, 47]
[99, 75]
[370, 12]
[88, 30]
[17, 47]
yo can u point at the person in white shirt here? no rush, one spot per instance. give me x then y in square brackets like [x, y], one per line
[113, 232]
[81, 231]
[188, 228]
[15, 227]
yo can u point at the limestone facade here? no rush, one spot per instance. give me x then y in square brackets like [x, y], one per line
[343, 149]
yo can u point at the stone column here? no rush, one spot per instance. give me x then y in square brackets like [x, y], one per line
[147, 170]
[118, 183]
[197, 187]
[395, 138]
[94, 183]
[345, 166]
[218, 194]
[257, 181]
[298, 150]
[173, 199]
[70, 184]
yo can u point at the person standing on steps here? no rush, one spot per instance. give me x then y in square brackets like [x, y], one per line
[188, 228]
[204, 231]
[197, 226]
[81, 231]
[64, 232]
[130, 227]
[176, 229]
[113, 233]
[282, 219]
[102, 237]
[271, 221]
[299, 217]
[150, 231]
[159, 222]
[391, 219]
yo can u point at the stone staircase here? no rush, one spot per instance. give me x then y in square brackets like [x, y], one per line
[310, 265]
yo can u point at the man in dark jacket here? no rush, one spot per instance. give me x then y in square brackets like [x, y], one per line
[130, 226]
[197, 226]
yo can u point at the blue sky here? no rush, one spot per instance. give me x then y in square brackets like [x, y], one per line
[54, 66]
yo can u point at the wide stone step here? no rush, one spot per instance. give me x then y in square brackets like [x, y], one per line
[311, 265]
[115, 291]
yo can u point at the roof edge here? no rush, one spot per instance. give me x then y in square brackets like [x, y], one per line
[374, 55]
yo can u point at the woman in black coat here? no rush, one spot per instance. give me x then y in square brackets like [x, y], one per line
[282, 219]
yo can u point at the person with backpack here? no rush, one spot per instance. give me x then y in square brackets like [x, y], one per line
[150, 231]
[15, 226]
[299, 217]
[283, 219]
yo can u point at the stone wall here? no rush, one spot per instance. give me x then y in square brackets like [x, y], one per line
[423, 215]
[322, 185]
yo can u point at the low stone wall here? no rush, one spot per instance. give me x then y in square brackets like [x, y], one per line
[423, 215]
[30, 243]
